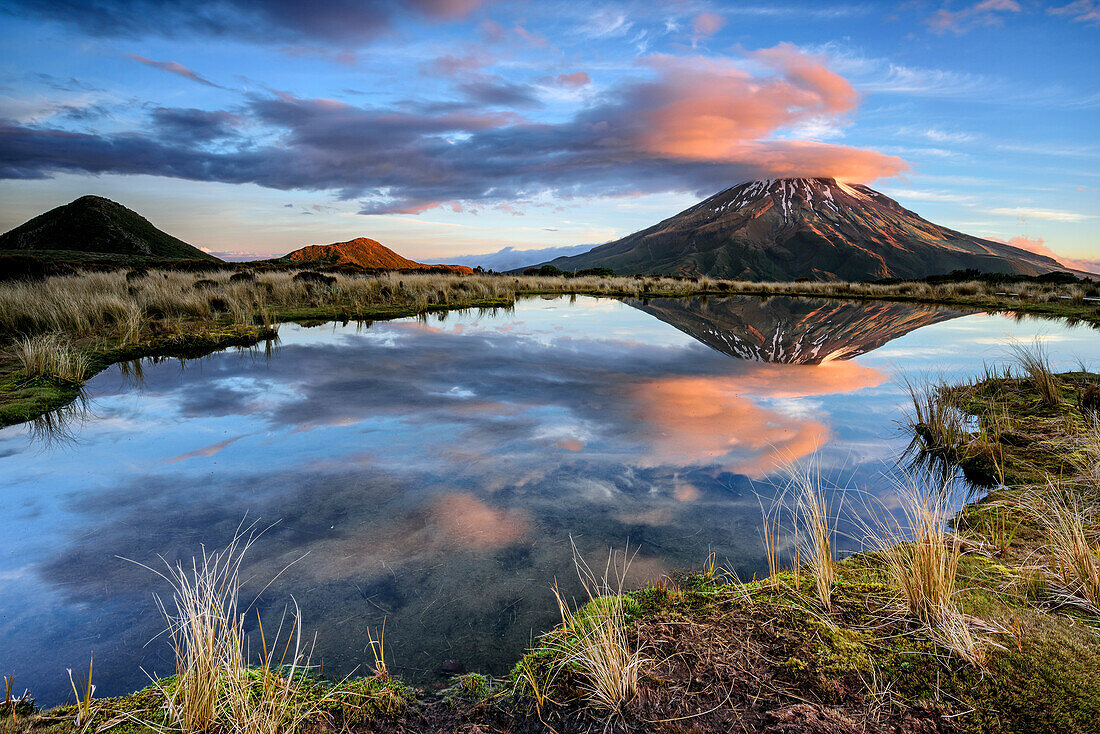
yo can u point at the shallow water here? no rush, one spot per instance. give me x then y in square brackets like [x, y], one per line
[431, 473]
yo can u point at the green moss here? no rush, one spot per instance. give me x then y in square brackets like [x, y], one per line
[468, 688]
[23, 399]
[536, 674]
[362, 700]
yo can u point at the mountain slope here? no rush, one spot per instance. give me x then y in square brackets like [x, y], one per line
[791, 330]
[366, 253]
[818, 228]
[93, 226]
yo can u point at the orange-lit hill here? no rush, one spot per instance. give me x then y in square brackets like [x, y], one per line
[366, 253]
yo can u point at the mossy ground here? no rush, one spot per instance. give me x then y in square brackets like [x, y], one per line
[24, 398]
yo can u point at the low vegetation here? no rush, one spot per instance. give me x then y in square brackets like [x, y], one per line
[56, 331]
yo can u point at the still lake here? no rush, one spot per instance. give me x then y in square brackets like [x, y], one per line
[432, 472]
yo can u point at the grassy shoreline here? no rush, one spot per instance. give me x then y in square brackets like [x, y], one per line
[713, 653]
[107, 317]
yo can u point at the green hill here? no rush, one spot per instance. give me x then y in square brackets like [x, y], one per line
[96, 228]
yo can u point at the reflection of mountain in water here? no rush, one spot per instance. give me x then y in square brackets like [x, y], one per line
[791, 330]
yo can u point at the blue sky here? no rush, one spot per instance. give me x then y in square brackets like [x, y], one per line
[449, 127]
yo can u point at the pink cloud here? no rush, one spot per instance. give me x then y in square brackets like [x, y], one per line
[205, 451]
[471, 523]
[450, 9]
[455, 65]
[574, 79]
[707, 24]
[982, 13]
[174, 68]
[1039, 247]
[713, 110]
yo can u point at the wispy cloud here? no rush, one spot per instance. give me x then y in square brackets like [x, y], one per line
[986, 12]
[871, 74]
[1054, 215]
[951, 197]
[801, 11]
[173, 67]
[607, 24]
[1081, 11]
[206, 451]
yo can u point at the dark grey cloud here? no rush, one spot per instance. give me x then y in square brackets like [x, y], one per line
[195, 125]
[499, 93]
[411, 157]
[393, 161]
[263, 21]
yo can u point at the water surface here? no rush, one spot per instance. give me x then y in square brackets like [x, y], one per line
[431, 473]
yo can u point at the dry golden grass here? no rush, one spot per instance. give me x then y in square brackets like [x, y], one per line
[51, 356]
[266, 699]
[206, 633]
[1072, 551]
[937, 426]
[1034, 361]
[83, 694]
[94, 302]
[214, 687]
[815, 518]
[921, 559]
[594, 639]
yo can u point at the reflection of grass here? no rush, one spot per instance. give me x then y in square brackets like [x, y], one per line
[938, 427]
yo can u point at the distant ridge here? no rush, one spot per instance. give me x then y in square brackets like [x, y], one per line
[365, 253]
[94, 227]
[818, 228]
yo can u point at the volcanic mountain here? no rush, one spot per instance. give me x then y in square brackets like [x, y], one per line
[791, 330]
[820, 228]
[366, 253]
[94, 227]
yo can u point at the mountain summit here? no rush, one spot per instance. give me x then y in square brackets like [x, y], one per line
[93, 226]
[820, 228]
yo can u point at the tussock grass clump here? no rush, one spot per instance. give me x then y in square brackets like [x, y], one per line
[938, 427]
[1034, 361]
[1072, 551]
[214, 687]
[815, 517]
[921, 559]
[206, 632]
[594, 639]
[267, 699]
[83, 694]
[51, 356]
